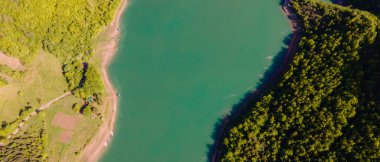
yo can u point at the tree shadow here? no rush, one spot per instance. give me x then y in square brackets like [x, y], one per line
[279, 64]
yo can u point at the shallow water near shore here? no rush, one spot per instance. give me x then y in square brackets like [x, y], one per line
[181, 66]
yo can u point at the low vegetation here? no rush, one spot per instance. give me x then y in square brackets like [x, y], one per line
[3, 82]
[7, 128]
[11, 73]
[324, 106]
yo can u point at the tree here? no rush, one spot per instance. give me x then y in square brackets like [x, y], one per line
[76, 108]
[87, 111]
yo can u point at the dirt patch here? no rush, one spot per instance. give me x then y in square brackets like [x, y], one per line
[65, 136]
[12, 62]
[67, 122]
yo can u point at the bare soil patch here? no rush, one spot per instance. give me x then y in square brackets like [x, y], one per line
[67, 122]
[12, 62]
[65, 136]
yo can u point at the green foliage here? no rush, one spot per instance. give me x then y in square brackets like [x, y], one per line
[85, 81]
[372, 6]
[8, 128]
[73, 72]
[63, 28]
[93, 84]
[12, 73]
[76, 107]
[29, 146]
[3, 82]
[321, 108]
[87, 111]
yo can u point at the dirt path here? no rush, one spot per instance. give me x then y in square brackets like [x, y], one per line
[96, 147]
[12, 62]
[43, 107]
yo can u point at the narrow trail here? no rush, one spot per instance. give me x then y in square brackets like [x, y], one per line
[43, 107]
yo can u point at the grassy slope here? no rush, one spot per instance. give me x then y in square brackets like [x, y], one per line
[66, 152]
[43, 80]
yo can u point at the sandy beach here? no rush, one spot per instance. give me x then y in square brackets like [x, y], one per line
[97, 146]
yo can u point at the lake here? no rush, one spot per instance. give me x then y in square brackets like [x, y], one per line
[181, 66]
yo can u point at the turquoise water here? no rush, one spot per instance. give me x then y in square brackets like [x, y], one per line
[331, 1]
[181, 65]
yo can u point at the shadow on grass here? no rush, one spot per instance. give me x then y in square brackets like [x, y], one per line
[279, 65]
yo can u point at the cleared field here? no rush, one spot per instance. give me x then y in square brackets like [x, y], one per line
[66, 141]
[12, 62]
[42, 82]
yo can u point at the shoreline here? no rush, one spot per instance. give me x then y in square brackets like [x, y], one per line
[97, 146]
[216, 151]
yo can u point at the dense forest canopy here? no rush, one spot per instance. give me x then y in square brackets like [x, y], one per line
[29, 145]
[372, 6]
[324, 106]
[63, 28]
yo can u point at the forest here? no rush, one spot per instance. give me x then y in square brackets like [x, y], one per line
[325, 107]
[28, 146]
[64, 28]
[372, 6]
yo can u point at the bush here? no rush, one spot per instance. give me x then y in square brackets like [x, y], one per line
[87, 111]
[76, 107]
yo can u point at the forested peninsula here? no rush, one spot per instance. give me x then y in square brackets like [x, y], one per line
[50, 57]
[325, 106]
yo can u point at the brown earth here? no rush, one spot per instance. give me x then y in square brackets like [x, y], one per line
[64, 121]
[12, 62]
[65, 136]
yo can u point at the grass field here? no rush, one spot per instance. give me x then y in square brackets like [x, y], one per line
[42, 82]
[82, 133]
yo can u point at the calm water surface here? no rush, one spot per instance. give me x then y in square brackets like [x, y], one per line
[181, 65]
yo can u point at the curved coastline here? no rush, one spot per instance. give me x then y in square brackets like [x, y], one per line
[220, 132]
[97, 146]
